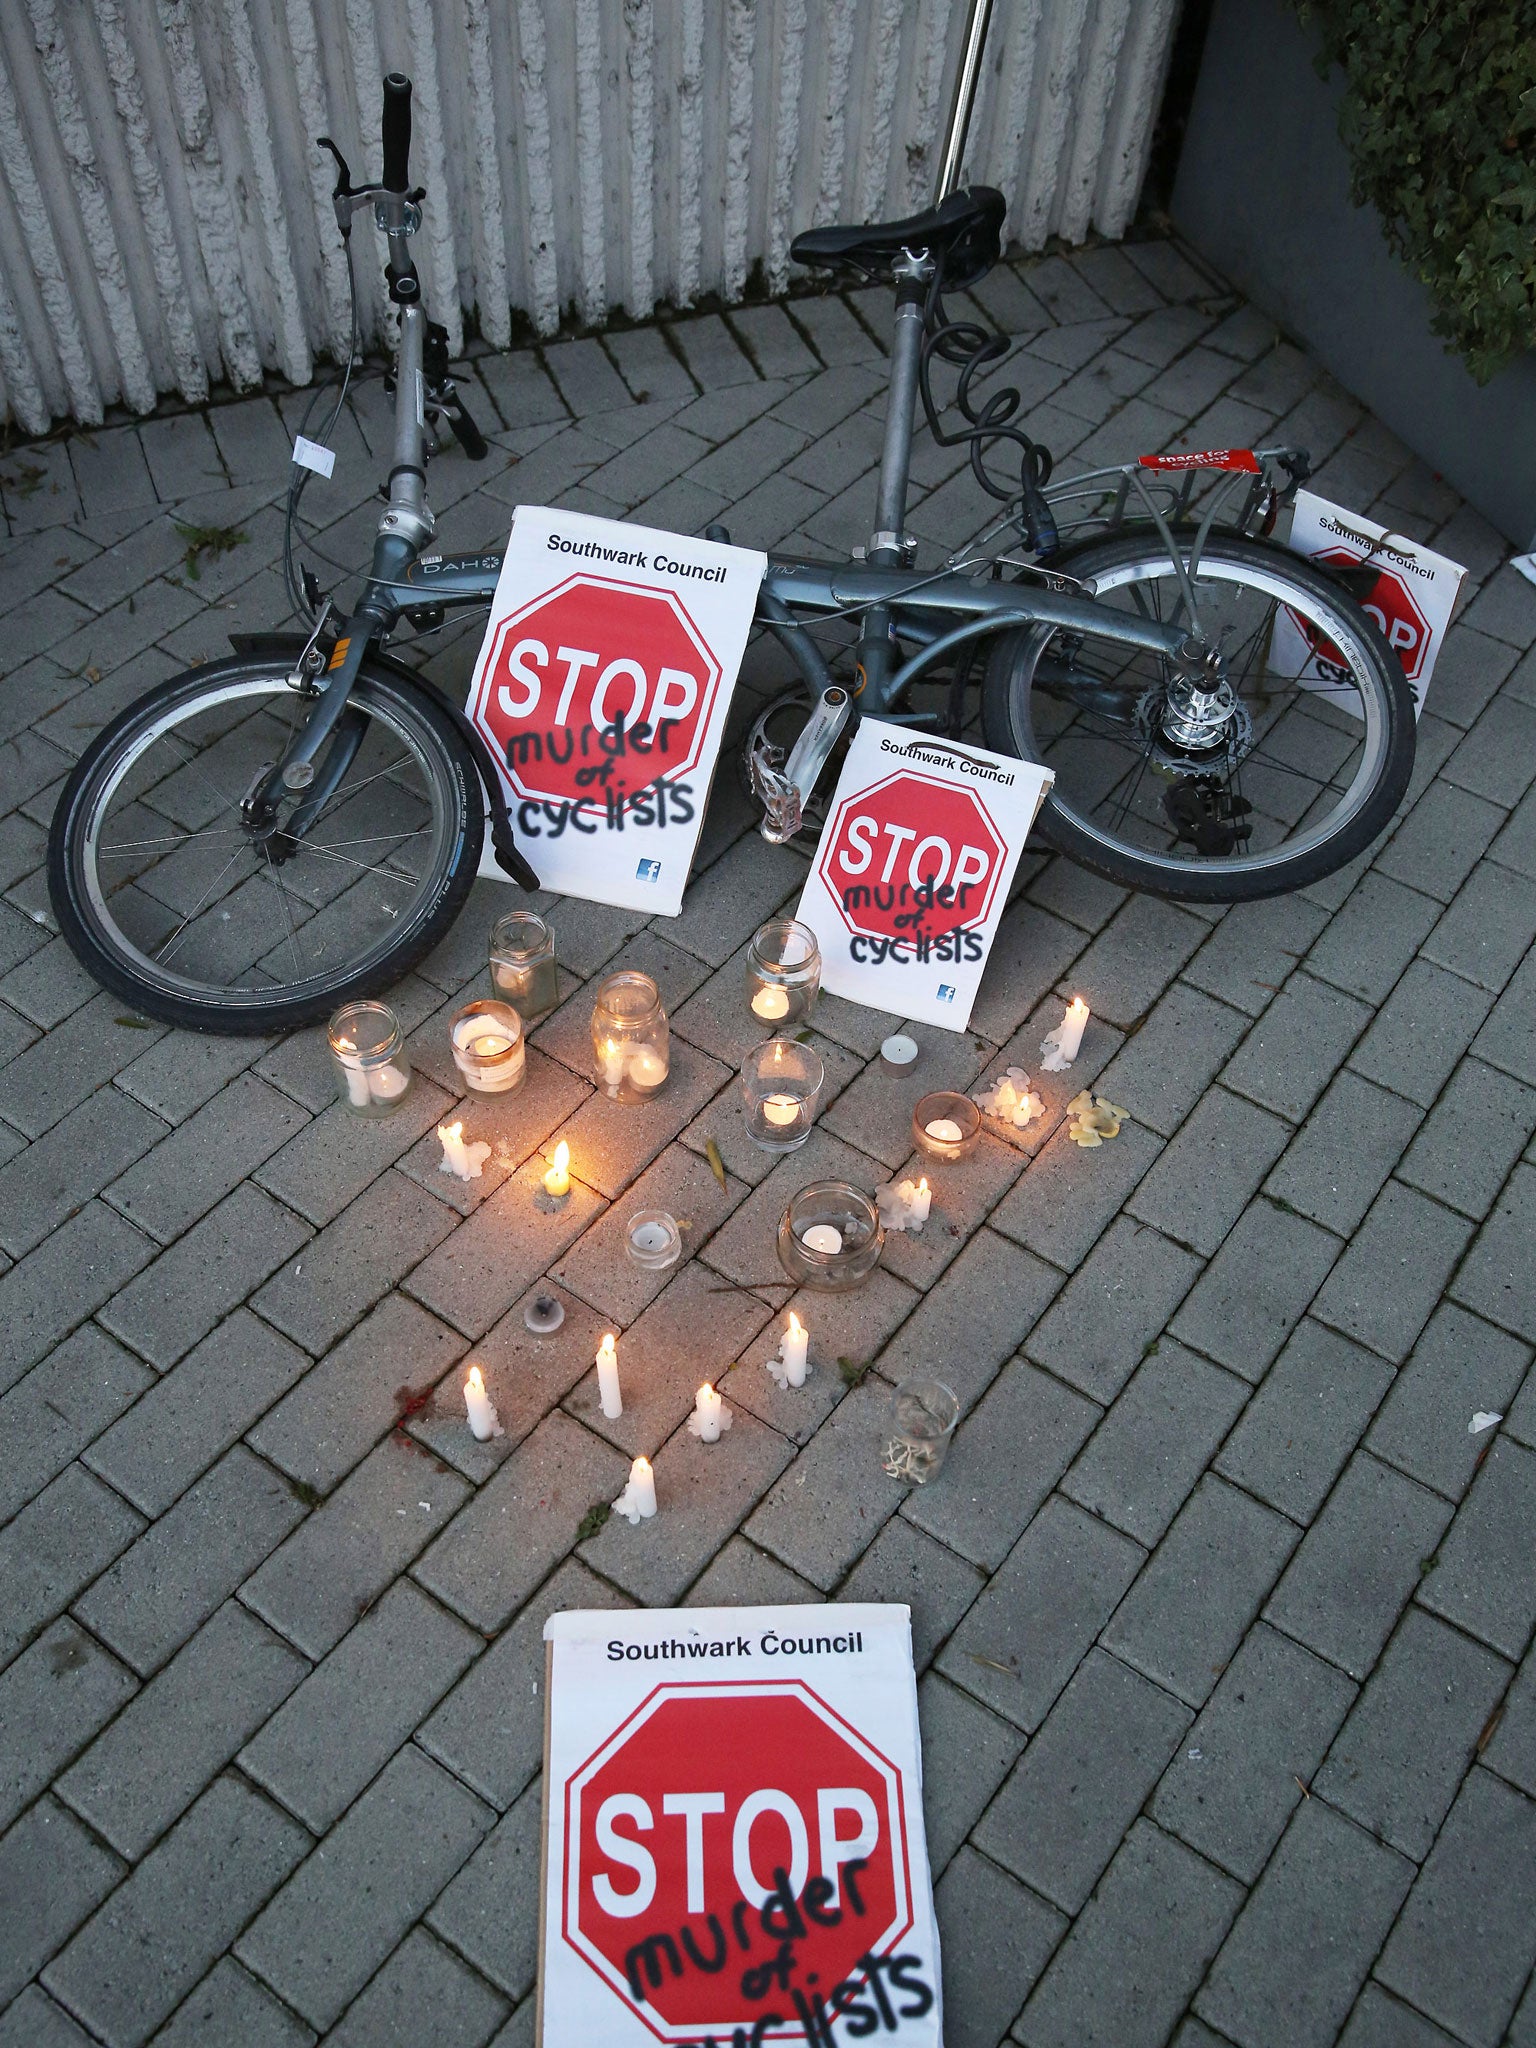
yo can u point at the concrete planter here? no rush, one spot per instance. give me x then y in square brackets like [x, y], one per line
[1263, 191]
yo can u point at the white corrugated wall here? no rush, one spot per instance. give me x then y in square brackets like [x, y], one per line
[165, 221]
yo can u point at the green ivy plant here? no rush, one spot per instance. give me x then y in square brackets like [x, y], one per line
[1439, 118]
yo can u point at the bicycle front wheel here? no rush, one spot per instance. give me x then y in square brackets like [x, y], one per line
[173, 901]
[1306, 771]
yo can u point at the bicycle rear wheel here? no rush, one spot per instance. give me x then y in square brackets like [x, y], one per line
[176, 904]
[1294, 784]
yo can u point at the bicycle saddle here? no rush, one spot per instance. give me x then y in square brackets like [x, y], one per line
[963, 233]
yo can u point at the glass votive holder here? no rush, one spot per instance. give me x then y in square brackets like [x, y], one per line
[782, 1083]
[830, 1236]
[488, 1048]
[523, 969]
[369, 1050]
[630, 1045]
[653, 1240]
[920, 1425]
[945, 1125]
[783, 973]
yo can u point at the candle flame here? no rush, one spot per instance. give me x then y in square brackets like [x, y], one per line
[796, 1327]
[451, 1133]
[641, 1466]
[922, 1186]
[475, 1384]
[1079, 1007]
[562, 1156]
[706, 1388]
[606, 1348]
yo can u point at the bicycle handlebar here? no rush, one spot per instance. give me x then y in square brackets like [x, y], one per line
[397, 132]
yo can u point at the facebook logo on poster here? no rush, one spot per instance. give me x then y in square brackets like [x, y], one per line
[648, 871]
[946, 992]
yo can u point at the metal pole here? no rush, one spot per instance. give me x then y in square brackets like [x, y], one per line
[953, 160]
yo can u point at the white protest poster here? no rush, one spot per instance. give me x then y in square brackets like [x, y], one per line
[601, 689]
[1411, 600]
[913, 870]
[733, 1831]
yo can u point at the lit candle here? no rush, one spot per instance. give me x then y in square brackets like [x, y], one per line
[770, 1004]
[1059, 1048]
[706, 1414]
[647, 1069]
[611, 1400]
[357, 1080]
[455, 1159]
[781, 1110]
[920, 1201]
[387, 1083]
[611, 1059]
[638, 1500]
[484, 1422]
[822, 1237]
[944, 1130]
[793, 1347]
[557, 1179]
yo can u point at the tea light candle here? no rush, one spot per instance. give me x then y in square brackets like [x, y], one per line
[898, 1050]
[650, 1237]
[822, 1237]
[488, 1048]
[647, 1069]
[557, 1179]
[770, 1004]
[706, 1414]
[794, 1345]
[386, 1084]
[1059, 1048]
[781, 1110]
[944, 1130]
[609, 1397]
[484, 1422]
[638, 1500]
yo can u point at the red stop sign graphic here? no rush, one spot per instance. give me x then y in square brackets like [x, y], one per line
[1392, 604]
[732, 1851]
[575, 665]
[913, 857]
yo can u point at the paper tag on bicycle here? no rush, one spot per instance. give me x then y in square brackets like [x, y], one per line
[914, 868]
[1411, 601]
[314, 455]
[602, 688]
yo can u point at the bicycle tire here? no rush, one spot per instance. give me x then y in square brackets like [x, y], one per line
[381, 691]
[1007, 681]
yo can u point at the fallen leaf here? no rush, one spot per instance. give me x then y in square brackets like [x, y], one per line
[991, 1664]
[1490, 1729]
[716, 1163]
[134, 1023]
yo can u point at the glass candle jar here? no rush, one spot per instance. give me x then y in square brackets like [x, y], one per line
[629, 1038]
[920, 1425]
[369, 1050]
[783, 973]
[945, 1125]
[782, 1083]
[653, 1240]
[488, 1048]
[523, 969]
[830, 1236]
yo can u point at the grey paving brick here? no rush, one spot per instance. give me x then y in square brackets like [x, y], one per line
[744, 1576]
[1292, 1965]
[1505, 607]
[1132, 961]
[1204, 1177]
[520, 389]
[490, 1729]
[1287, 1058]
[1369, 942]
[1022, 1640]
[1084, 1777]
[1196, 1596]
[1096, 1333]
[181, 1730]
[1338, 1160]
[1511, 1749]
[341, 1913]
[586, 379]
[966, 1754]
[53, 1699]
[61, 1405]
[1475, 1897]
[1471, 1139]
[1459, 1366]
[1128, 1966]
[1385, 1287]
[597, 1266]
[1029, 956]
[56, 1545]
[490, 1261]
[839, 1470]
[1515, 846]
[875, 1111]
[34, 2021]
[1059, 1210]
[358, 1391]
[1379, 2021]
[1421, 1032]
[136, 1959]
[423, 1992]
[1508, 1039]
[1311, 1410]
[769, 337]
[905, 1565]
[1441, 840]
[1496, 1279]
[77, 1268]
[995, 1938]
[195, 1283]
[1399, 1758]
[207, 1156]
[229, 2005]
[972, 1319]
[323, 1746]
[490, 1911]
[1358, 1564]
[1241, 1769]
[51, 1179]
[189, 1561]
[1161, 1072]
[40, 1916]
[372, 1244]
[196, 1411]
[1487, 930]
[1256, 1290]
[1483, 1581]
[1155, 1441]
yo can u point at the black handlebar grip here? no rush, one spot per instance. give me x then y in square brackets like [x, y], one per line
[469, 436]
[397, 132]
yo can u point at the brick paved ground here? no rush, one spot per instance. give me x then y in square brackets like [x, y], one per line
[1217, 1595]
